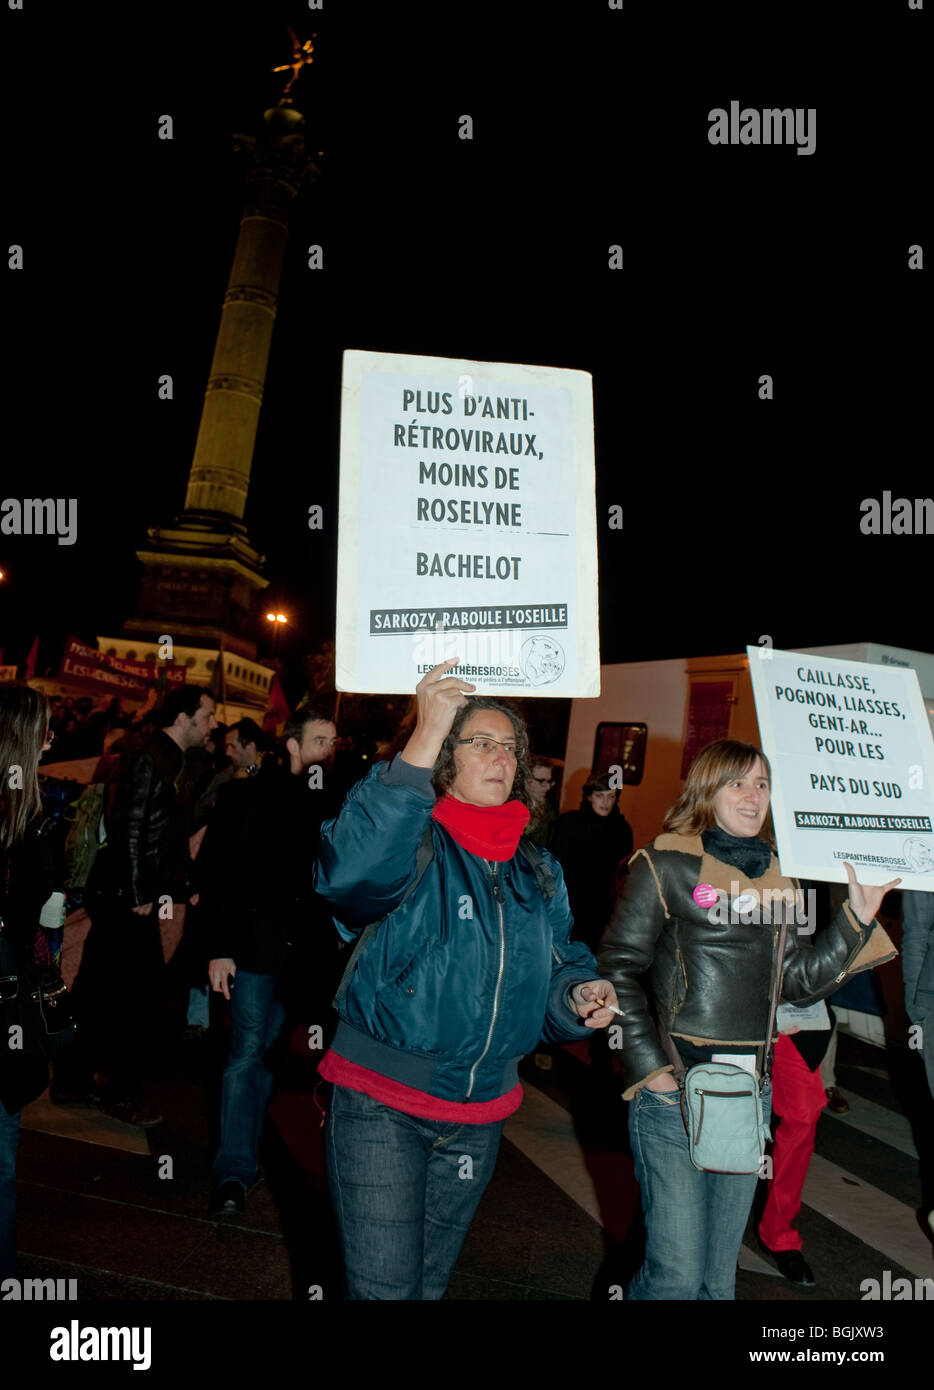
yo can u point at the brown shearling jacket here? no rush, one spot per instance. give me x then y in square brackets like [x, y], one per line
[711, 980]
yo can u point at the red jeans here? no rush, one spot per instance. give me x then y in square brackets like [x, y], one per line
[798, 1096]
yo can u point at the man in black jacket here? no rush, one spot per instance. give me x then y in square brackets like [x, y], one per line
[262, 917]
[142, 873]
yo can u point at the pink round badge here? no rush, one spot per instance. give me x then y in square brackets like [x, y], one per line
[705, 895]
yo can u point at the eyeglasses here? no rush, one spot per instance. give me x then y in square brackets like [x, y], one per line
[483, 747]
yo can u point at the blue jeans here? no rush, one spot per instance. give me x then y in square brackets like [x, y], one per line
[9, 1140]
[404, 1191]
[199, 1007]
[258, 1018]
[694, 1220]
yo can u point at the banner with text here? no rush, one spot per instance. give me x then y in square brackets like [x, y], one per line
[467, 526]
[852, 767]
[94, 668]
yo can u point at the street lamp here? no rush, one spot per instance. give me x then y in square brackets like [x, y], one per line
[277, 620]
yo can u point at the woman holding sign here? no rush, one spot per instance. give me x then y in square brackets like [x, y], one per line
[464, 962]
[701, 915]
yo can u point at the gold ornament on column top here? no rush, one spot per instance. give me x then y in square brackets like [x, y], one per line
[301, 56]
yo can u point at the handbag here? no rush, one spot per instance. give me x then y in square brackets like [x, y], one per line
[36, 1019]
[721, 1104]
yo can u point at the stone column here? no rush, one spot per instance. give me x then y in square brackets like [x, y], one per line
[220, 472]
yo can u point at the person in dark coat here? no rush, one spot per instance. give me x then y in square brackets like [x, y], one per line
[590, 844]
[270, 937]
[544, 816]
[141, 872]
[25, 885]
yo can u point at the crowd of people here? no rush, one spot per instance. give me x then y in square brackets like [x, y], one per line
[459, 922]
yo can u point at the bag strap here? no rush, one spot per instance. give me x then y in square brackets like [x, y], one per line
[423, 857]
[546, 879]
[765, 1070]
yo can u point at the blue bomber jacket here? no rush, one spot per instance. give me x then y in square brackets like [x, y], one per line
[474, 968]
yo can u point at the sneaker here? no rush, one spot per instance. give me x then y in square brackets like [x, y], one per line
[838, 1104]
[132, 1114]
[227, 1199]
[59, 1095]
[791, 1265]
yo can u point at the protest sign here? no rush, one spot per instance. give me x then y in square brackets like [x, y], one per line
[467, 526]
[852, 767]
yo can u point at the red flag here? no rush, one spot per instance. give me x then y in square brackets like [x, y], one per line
[31, 660]
[277, 707]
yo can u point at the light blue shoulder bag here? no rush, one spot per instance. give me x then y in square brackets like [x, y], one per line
[722, 1104]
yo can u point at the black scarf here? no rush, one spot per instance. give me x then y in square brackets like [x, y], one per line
[751, 856]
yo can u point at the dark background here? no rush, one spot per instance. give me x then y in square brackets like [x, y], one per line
[590, 128]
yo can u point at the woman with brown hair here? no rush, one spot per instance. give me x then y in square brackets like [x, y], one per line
[465, 961]
[696, 916]
[25, 885]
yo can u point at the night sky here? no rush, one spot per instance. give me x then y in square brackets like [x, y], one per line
[590, 128]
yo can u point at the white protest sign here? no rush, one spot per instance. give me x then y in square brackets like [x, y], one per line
[812, 1018]
[852, 767]
[467, 526]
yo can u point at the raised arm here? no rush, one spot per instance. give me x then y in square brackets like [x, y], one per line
[854, 941]
[367, 854]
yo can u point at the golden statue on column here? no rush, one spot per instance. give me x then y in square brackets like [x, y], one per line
[301, 55]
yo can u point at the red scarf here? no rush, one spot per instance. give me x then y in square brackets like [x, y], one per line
[491, 831]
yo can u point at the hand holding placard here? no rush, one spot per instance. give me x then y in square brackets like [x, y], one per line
[439, 698]
[866, 901]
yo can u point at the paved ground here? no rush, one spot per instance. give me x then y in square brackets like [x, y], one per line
[124, 1211]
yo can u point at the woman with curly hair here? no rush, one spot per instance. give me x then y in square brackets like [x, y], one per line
[470, 962]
